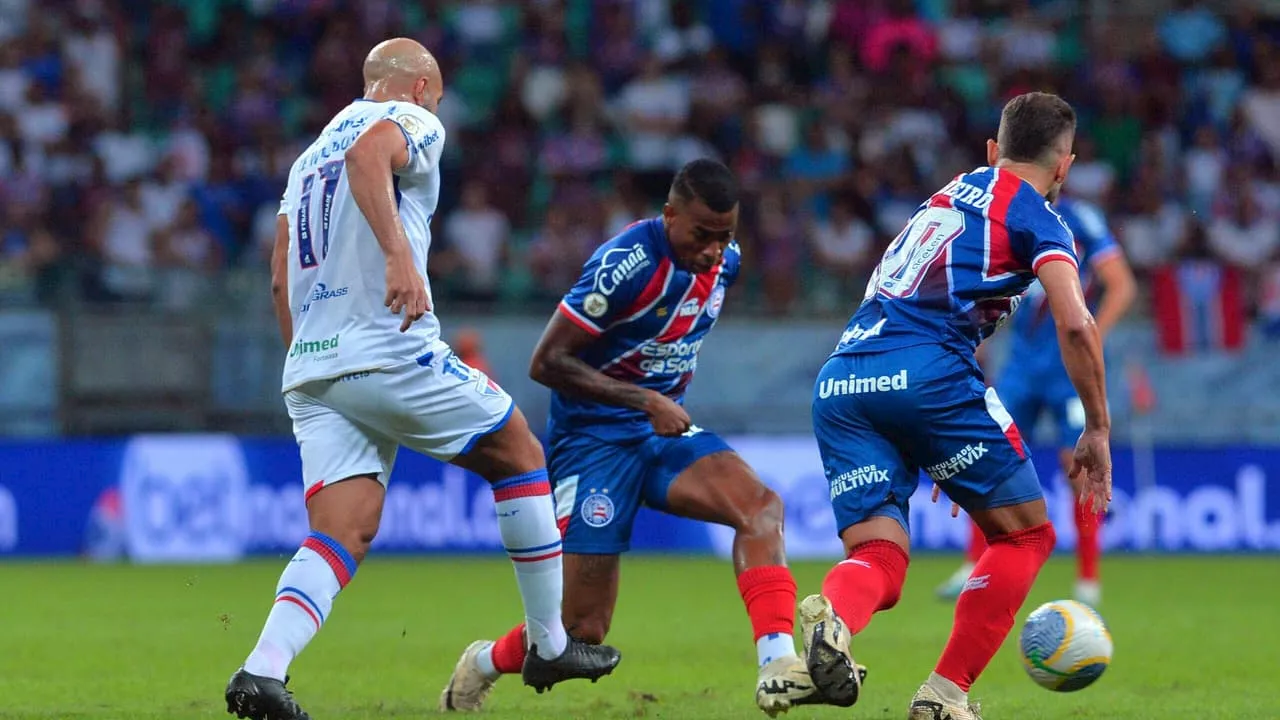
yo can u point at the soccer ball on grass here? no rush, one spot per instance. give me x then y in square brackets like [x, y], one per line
[1065, 646]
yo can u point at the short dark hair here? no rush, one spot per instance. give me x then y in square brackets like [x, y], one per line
[1031, 125]
[709, 181]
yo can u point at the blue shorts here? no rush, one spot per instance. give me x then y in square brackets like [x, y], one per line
[882, 418]
[1027, 395]
[600, 486]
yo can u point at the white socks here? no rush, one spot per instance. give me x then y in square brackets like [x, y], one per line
[304, 597]
[527, 522]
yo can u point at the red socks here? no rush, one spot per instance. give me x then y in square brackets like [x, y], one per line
[995, 592]
[509, 651]
[869, 581]
[1088, 548]
[977, 543]
[769, 592]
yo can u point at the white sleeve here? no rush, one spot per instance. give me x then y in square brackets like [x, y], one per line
[424, 136]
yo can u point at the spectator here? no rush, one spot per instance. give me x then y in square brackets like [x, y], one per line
[1191, 32]
[842, 244]
[558, 251]
[188, 256]
[476, 237]
[125, 245]
[1245, 237]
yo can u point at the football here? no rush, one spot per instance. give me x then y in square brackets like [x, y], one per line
[1065, 646]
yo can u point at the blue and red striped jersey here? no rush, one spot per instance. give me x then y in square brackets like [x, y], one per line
[1034, 341]
[649, 317]
[958, 269]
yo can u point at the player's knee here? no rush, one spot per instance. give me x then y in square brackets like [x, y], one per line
[1039, 539]
[355, 538]
[765, 515]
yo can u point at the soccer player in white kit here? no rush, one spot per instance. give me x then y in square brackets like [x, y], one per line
[367, 372]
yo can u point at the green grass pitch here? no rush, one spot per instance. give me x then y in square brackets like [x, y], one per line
[1194, 638]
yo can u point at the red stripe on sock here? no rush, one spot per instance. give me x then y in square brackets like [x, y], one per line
[515, 492]
[509, 651]
[986, 609]
[537, 558]
[977, 543]
[299, 603]
[1088, 546]
[868, 581]
[335, 563]
[769, 593]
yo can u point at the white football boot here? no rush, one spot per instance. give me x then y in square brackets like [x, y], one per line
[928, 704]
[836, 676]
[469, 686]
[954, 585]
[1089, 592]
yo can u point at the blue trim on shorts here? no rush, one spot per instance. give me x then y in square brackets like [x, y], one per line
[495, 428]
[425, 358]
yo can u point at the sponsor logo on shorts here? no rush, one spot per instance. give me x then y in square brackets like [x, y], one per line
[856, 478]
[354, 376]
[597, 509]
[620, 265]
[715, 302]
[857, 332]
[326, 349]
[855, 385]
[957, 463]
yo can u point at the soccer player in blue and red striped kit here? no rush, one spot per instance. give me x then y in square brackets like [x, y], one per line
[903, 392]
[1035, 380]
[619, 354]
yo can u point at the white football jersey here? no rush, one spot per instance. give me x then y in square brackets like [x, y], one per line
[337, 270]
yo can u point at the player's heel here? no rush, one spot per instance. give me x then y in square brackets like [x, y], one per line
[831, 666]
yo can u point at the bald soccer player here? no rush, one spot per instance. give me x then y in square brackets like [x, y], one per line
[366, 372]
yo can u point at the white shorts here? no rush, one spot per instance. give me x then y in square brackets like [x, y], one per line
[354, 424]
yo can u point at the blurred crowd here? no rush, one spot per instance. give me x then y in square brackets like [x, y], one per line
[143, 145]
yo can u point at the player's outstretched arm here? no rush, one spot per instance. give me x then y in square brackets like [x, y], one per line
[556, 364]
[370, 162]
[1081, 347]
[280, 280]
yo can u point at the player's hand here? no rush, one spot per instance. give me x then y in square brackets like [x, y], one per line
[407, 291]
[1090, 473]
[937, 492]
[668, 418]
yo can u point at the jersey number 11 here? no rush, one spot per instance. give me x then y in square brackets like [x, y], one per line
[329, 174]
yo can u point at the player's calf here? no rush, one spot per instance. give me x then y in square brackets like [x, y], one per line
[986, 609]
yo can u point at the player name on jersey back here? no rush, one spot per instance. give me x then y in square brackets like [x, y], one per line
[960, 266]
[649, 318]
[337, 270]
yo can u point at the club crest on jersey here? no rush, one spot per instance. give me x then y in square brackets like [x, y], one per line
[715, 302]
[595, 305]
[486, 386]
[597, 510]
